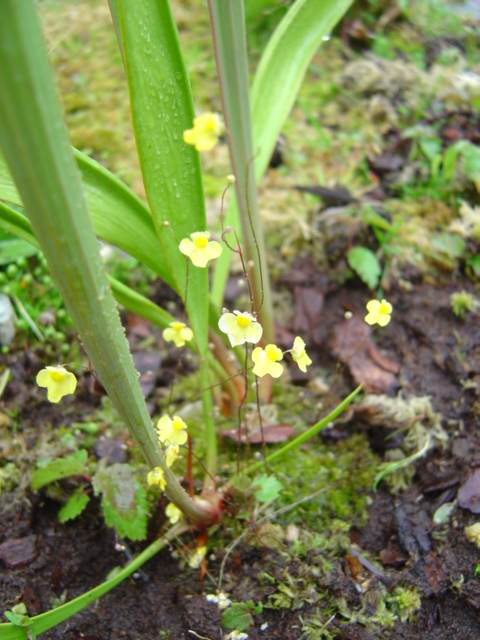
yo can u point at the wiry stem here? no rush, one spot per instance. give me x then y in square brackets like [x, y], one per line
[228, 27]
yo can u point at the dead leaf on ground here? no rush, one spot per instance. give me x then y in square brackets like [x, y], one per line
[435, 573]
[351, 343]
[308, 312]
[147, 365]
[271, 433]
[413, 527]
[19, 552]
[111, 450]
[338, 197]
[469, 492]
[354, 565]
[392, 555]
[137, 326]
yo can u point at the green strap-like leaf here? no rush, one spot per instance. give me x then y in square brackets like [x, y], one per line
[34, 141]
[119, 216]
[35, 145]
[275, 87]
[140, 305]
[16, 223]
[162, 108]
[282, 68]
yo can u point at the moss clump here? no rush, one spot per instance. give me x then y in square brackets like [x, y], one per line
[319, 465]
[462, 303]
[404, 603]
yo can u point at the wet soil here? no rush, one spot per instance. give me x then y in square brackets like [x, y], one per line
[439, 356]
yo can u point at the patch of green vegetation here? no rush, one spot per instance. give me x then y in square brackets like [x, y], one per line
[405, 41]
[462, 303]
[404, 603]
[40, 308]
[18, 616]
[240, 615]
[129, 271]
[313, 559]
[434, 18]
[92, 84]
[318, 465]
[123, 499]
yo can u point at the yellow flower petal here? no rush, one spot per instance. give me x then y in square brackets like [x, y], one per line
[378, 312]
[266, 361]
[173, 513]
[156, 476]
[205, 133]
[299, 354]
[178, 333]
[171, 431]
[172, 454]
[240, 328]
[199, 249]
[58, 381]
[197, 557]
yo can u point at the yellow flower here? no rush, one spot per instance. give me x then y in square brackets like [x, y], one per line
[199, 249]
[172, 431]
[378, 312]
[266, 361]
[58, 381]
[156, 476]
[197, 557]
[240, 327]
[221, 600]
[473, 533]
[206, 131]
[173, 513]
[300, 355]
[172, 454]
[178, 333]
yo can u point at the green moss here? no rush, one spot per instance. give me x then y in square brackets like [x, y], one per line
[462, 303]
[319, 465]
[404, 603]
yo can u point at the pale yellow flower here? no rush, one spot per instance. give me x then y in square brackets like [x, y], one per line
[58, 381]
[221, 600]
[178, 333]
[172, 431]
[173, 513]
[205, 133]
[240, 327]
[156, 476]
[197, 557]
[172, 454]
[299, 354]
[378, 312]
[473, 533]
[266, 361]
[199, 249]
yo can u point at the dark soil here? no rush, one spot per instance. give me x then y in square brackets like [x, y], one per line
[438, 354]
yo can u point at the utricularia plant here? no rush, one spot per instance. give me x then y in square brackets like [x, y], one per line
[63, 202]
